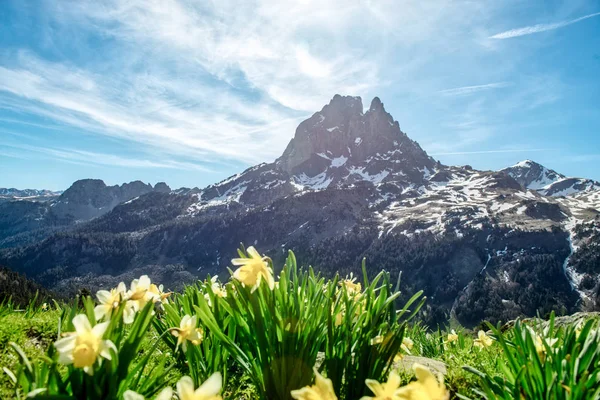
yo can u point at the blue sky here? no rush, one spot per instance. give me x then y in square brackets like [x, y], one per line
[190, 92]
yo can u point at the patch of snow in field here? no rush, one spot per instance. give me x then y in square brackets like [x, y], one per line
[332, 129]
[357, 141]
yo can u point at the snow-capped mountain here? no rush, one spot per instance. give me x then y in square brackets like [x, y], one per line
[548, 182]
[336, 147]
[8, 194]
[350, 184]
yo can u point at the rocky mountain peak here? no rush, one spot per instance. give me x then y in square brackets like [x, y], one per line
[376, 105]
[533, 175]
[162, 187]
[341, 134]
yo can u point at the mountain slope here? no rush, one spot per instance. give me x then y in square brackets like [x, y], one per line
[23, 222]
[548, 182]
[349, 185]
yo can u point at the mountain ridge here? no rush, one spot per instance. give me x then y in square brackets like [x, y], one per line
[479, 243]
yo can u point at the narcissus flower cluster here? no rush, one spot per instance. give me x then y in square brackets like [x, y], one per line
[426, 387]
[141, 292]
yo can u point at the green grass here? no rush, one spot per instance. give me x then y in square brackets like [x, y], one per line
[259, 340]
[33, 333]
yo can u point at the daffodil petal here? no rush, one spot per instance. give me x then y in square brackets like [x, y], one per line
[211, 387]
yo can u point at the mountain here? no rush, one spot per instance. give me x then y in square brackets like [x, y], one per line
[22, 221]
[350, 185]
[10, 194]
[548, 182]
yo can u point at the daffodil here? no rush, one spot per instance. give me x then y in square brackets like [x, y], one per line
[209, 390]
[84, 346]
[540, 343]
[321, 390]
[452, 337]
[139, 294]
[407, 344]
[352, 289]
[339, 317]
[165, 394]
[482, 340]
[217, 288]
[158, 294]
[188, 332]
[384, 391]
[426, 387]
[253, 270]
[110, 301]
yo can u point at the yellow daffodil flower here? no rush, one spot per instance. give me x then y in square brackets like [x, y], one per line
[384, 391]
[452, 337]
[109, 301]
[321, 390]
[84, 346]
[209, 390]
[352, 289]
[252, 270]
[339, 317]
[482, 340]
[187, 332]
[407, 344]
[165, 394]
[158, 293]
[139, 294]
[539, 341]
[426, 387]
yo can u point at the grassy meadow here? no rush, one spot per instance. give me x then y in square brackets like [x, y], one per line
[294, 336]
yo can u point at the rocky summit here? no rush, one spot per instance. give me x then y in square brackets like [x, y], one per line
[350, 185]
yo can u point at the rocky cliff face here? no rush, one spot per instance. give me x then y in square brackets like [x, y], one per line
[350, 184]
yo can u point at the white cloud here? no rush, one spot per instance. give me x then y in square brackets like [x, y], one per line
[528, 30]
[84, 157]
[228, 81]
[466, 90]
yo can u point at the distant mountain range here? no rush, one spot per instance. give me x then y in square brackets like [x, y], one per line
[9, 194]
[482, 244]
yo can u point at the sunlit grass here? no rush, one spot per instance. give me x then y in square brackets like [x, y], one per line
[260, 336]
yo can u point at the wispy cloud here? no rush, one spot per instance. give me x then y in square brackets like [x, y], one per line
[457, 153]
[528, 30]
[83, 157]
[466, 90]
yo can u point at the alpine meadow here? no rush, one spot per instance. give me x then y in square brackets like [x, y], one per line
[209, 200]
